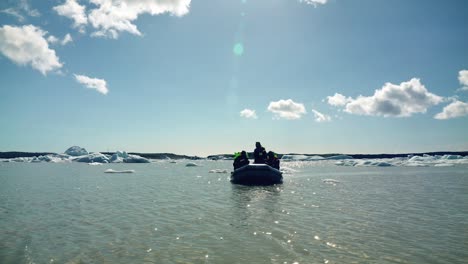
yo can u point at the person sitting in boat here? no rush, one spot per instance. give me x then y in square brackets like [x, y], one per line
[272, 160]
[259, 154]
[240, 160]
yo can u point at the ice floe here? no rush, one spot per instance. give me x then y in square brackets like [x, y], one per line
[78, 154]
[218, 171]
[296, 157]
[191, 164]
[119, 171]
[410, 161]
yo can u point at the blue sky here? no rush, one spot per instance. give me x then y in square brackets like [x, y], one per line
[206, 77]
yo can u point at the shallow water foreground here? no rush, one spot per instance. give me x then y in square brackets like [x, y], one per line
[169, 213]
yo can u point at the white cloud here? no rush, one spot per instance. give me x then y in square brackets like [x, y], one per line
[314, 2]
[338, 100]
[54, 40]
[248, 113]
[24, 5]
[20, 9]
[26, 45]
[114, 16]
[393, 100]
[67, 39]
[93, 83]
[319, 117]
[73, 10]
[287, 109]
[13, 12]
[453, 110]
[463, 78]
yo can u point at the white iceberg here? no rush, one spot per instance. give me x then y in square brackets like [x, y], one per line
[118, 171]
[297, 157]
[218, 171]
[124, 157]
[339, 157]
[93, 157]
[76, 151]
[136, 159]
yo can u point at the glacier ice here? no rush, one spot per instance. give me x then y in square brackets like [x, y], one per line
[79, 154]
[76, 151]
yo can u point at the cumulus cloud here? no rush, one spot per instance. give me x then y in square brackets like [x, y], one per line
[319, 117]
[73, 10]
[54, 40]
[463, 78]
[338, 100]
[26, 45]
[93, 83]
[67, 39]
[392, 100]
[287, 109]
[314, 2]
[114, 16]
[248, 113]
[453, 110]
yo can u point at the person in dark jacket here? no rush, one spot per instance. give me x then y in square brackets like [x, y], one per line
[241, 160]
[259, 154]
[272, 160]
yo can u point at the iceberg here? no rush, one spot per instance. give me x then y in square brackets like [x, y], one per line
[76, 151]
[296, 157]
[136, 159]
[91, 158]
[124, 157]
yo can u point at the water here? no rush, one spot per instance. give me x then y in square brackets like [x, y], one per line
[169, 213]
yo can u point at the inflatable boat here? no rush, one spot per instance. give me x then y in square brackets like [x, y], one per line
[256, 174]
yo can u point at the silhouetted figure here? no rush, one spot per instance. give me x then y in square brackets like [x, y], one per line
[259, 154]
[241, 160]
[272, 160]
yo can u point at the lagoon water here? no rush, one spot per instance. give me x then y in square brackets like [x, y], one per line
[169, 213]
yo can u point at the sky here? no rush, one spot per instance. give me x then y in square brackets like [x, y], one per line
[209, 77]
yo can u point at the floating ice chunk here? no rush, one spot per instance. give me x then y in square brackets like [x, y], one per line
[118, 157]
[364, 163]
[294, 157]
[93, 157]
[94, 163]
[191, 164]
[119, 171]
[218, 171]
[452, 157]
[135, 159]
[339, 157]
[124, 157]
[76, 151]
[330, 181]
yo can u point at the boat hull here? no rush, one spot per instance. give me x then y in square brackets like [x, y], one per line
[256, 174]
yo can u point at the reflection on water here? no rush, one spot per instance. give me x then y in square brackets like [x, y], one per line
[248, 201]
